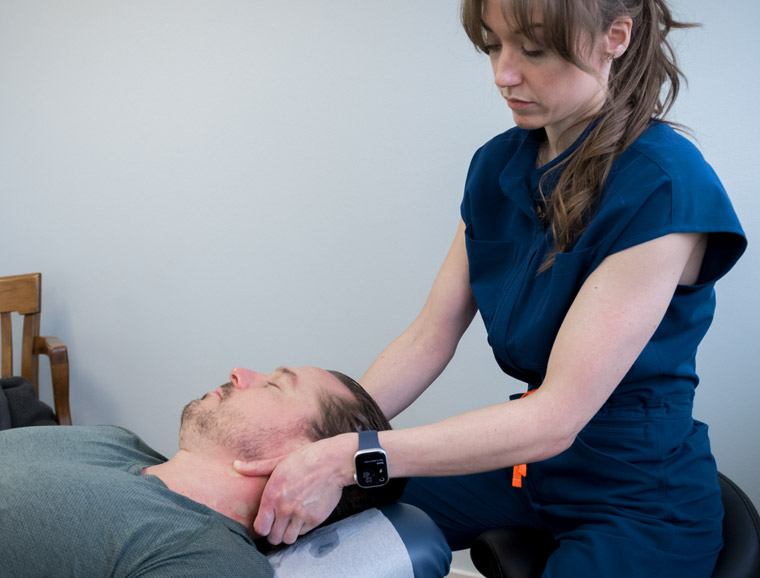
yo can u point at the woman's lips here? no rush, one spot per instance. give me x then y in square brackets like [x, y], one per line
[517, 104]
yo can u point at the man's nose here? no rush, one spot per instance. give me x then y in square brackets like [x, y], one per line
[243, 378]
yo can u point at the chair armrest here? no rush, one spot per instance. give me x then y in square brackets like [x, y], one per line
[57, 352]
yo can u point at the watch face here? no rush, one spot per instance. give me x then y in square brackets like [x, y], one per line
[371, 469]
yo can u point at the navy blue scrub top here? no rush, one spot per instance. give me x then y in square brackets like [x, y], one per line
[661, 184]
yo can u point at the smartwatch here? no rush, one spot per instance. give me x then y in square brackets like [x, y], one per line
[370, 462]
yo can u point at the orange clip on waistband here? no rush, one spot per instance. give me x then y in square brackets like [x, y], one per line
[518, 472]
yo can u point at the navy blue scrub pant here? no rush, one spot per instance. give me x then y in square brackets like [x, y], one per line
[635, 496]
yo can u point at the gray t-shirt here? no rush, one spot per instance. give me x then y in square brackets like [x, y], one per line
[73, 503]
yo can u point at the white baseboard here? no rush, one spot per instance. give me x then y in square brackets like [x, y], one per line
[463, 574]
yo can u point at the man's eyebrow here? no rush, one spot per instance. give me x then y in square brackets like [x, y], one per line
[293, 378]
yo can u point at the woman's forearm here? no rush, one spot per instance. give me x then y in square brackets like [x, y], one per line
[489, 438]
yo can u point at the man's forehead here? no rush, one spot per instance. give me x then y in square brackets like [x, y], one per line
[317, 379]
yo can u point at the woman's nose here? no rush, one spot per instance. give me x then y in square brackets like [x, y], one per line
[505, 69]
[243, 378]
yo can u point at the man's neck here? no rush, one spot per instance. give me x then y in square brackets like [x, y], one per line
[214, 483]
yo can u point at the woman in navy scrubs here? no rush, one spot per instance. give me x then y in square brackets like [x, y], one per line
[591, 238]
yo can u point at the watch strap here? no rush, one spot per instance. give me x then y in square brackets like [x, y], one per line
[368, 440]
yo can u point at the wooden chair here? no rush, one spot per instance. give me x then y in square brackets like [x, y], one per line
[22, 294]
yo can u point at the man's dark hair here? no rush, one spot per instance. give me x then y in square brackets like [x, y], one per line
[340, 414]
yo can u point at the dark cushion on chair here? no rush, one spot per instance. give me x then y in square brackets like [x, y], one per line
[21, 406]
[512, 552]
[522, 552]
[740, 556]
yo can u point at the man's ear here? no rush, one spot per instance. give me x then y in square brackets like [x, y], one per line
[256, 468]
[618, 37]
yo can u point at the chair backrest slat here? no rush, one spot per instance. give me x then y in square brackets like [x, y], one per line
[6, 342]
[29, 358]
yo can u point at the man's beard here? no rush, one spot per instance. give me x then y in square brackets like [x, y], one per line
[199, 420]
[221, 426]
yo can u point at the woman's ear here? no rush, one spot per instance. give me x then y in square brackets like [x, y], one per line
[618, 37]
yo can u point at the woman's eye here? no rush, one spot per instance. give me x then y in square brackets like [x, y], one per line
[492, 48]
[535, 53]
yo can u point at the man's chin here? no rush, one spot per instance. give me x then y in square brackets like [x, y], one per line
[190, 409]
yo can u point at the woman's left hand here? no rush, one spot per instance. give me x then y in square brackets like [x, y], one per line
[303, 489]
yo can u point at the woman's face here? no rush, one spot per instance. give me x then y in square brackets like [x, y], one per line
[541, 88]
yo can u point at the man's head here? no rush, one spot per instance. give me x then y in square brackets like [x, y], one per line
[255, 415]
[258, 416]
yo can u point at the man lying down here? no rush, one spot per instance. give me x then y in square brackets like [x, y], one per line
[96, 501]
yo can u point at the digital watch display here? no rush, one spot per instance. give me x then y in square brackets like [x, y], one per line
[370, 462]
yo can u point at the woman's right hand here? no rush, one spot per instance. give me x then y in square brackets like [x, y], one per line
[304, 487]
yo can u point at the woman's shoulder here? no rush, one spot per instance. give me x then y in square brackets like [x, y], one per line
[664, 162]
[662, 184]
[669, 151]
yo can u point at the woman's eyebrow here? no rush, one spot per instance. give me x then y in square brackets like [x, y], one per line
[487, 28]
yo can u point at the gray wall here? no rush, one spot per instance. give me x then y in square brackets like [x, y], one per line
[210, 184]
